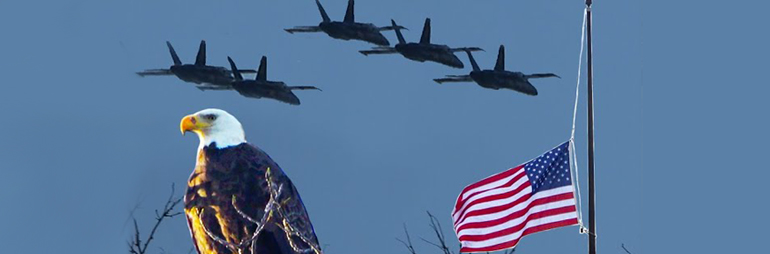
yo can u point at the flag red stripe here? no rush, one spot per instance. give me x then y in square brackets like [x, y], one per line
[461, 203]
[494, 209]
[552, 225]
[499, 196]
[517, 228]
[487, 180]
[528, 231]
[496, 212]
[495, 247]
[517, 214]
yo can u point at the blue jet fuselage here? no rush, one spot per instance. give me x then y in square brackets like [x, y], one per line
[354, 31]
[503, 79]
[267, 89]
[429, 52]
[203, 74]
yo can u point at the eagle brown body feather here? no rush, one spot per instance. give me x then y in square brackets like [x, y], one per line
[237, 174]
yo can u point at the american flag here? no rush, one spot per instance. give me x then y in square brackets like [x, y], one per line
[494, 213]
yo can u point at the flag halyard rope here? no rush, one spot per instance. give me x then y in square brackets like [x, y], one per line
[573, 157]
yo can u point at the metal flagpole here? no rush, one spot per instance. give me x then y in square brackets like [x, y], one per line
[591, 183]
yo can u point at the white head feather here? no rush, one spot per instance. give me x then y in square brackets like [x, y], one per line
[225, 129]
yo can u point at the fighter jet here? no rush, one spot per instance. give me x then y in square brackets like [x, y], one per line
[204, 76]
[499, 77]
[348, 29]
[424, 50]
[261, 87]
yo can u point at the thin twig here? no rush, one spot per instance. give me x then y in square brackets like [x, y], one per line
[131, 213]
[261, 224]
[408, 243]
[273, 208]
[436, 226]
[217, 239]
[287, 227]
[291, 232]
[136, 246]
[624, 248]
[438, 231]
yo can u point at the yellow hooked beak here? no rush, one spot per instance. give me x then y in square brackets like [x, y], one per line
[192, 123]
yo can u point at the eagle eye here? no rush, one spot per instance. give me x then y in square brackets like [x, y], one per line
[210, 117]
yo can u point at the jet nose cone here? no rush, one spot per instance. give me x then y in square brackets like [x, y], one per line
[381, 40]
[456, 63]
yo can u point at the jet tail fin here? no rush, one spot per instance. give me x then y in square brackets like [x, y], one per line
[262, 72]
[174, 56]
[349, 14]
[500, 65]
[200, 60]
[473, 61]
[322, 11]
[398, 32]
[236, 74]
[425, 39]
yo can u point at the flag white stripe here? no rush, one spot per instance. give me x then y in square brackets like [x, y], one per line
[518, 234]
[492, 203]
[518, 220]
[457, 216]
[516, 208]
[496, 212]
[491, 185]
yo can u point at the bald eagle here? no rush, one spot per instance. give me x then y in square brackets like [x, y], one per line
[238, 199]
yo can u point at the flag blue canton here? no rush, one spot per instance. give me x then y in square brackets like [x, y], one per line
[550, 170]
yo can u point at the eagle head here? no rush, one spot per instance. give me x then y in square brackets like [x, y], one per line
[214, 126]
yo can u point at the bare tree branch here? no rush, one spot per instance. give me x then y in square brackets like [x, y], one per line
[214, 237]
[438, 231]
[408, 243]
[436, 226]
[131, 213]
[136, 245]
[624, 248]
[286, 225]
[273, 207]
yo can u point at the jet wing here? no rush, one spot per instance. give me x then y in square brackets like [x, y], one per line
[213, 87]
[379, 50]
[454, 78]
[304, 88]
[542, 75]
[244, 71]
[155, 72]
[286, 97]
[303, 29]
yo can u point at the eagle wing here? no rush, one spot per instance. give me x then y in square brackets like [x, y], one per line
[228, 192]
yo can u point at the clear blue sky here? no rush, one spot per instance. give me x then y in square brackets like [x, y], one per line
[680, 99]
